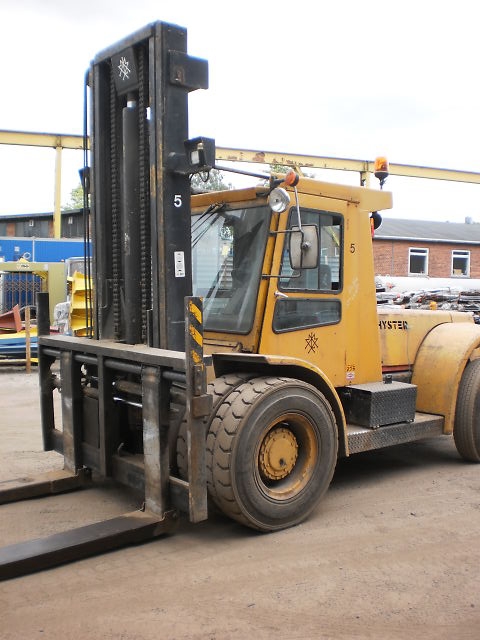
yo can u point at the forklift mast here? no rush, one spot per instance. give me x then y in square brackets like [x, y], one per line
[140, 203]
[143, 360]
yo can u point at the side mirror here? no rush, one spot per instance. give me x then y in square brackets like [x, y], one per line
[303, 247]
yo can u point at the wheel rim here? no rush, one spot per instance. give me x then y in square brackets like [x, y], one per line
[278, 454]
[286, 456]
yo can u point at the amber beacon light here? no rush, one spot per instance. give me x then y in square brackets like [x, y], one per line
[381, 170]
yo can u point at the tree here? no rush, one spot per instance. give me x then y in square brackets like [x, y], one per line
[211, 181]
[279, 168]
[76, 199]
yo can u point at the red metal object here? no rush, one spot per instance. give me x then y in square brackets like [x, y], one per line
[11, 321]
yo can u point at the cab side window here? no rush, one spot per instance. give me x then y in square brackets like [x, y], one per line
[302, 311]
[327, 275]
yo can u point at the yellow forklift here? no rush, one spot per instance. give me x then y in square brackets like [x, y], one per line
[235, 348]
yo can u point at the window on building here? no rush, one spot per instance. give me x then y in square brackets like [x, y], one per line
[460, 263]
[417, 261]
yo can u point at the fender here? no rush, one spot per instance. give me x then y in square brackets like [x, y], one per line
[439, 365]
[261, 365]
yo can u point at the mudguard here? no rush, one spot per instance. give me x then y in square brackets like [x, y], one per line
[439, 365]
[262, 365]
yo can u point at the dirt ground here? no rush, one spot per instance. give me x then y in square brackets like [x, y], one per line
[393, 551]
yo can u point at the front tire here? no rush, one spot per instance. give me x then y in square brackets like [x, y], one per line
[271, 452]
[219, 389]
[466, 431]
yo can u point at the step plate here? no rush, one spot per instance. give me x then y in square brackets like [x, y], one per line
[364, 439]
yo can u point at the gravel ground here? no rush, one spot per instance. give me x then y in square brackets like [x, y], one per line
[392, 552]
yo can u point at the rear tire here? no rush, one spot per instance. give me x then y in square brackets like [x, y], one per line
[271, 452]
[466, 431]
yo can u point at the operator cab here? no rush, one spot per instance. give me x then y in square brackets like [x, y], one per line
[272, 267]
[230, 260]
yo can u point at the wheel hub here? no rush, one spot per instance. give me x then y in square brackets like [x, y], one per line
[278, 454]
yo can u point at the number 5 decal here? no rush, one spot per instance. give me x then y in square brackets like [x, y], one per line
[177, 200]
[352, 248]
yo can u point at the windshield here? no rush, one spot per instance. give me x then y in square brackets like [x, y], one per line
[228, 247]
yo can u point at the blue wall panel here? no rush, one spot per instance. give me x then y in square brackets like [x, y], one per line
[40, 249]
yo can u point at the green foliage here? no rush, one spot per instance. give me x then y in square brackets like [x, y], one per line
[76, 199]
[279, 168]
[213, 181]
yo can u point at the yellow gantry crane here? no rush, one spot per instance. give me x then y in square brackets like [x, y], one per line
[297, 161]
[57, 141]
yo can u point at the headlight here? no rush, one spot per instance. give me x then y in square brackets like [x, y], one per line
[278, 200]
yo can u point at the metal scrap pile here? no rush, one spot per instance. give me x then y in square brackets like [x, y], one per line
[445, 298]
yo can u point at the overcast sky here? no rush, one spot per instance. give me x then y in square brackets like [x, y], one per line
[335, 78]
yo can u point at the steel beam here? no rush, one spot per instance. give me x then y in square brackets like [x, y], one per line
[137, 353]
[199, 405]
[83, 542]
[48, 483]
[342, 164]
[155, 439]
[57, 201]
[72, 414]
[35, 139]
[107, 425]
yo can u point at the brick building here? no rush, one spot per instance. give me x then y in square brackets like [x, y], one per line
[435, 249]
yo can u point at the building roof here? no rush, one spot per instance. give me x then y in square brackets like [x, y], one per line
[427, 230]
[18, 217]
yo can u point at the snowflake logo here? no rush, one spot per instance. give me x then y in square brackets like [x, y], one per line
[311, 343]
[124, 69]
